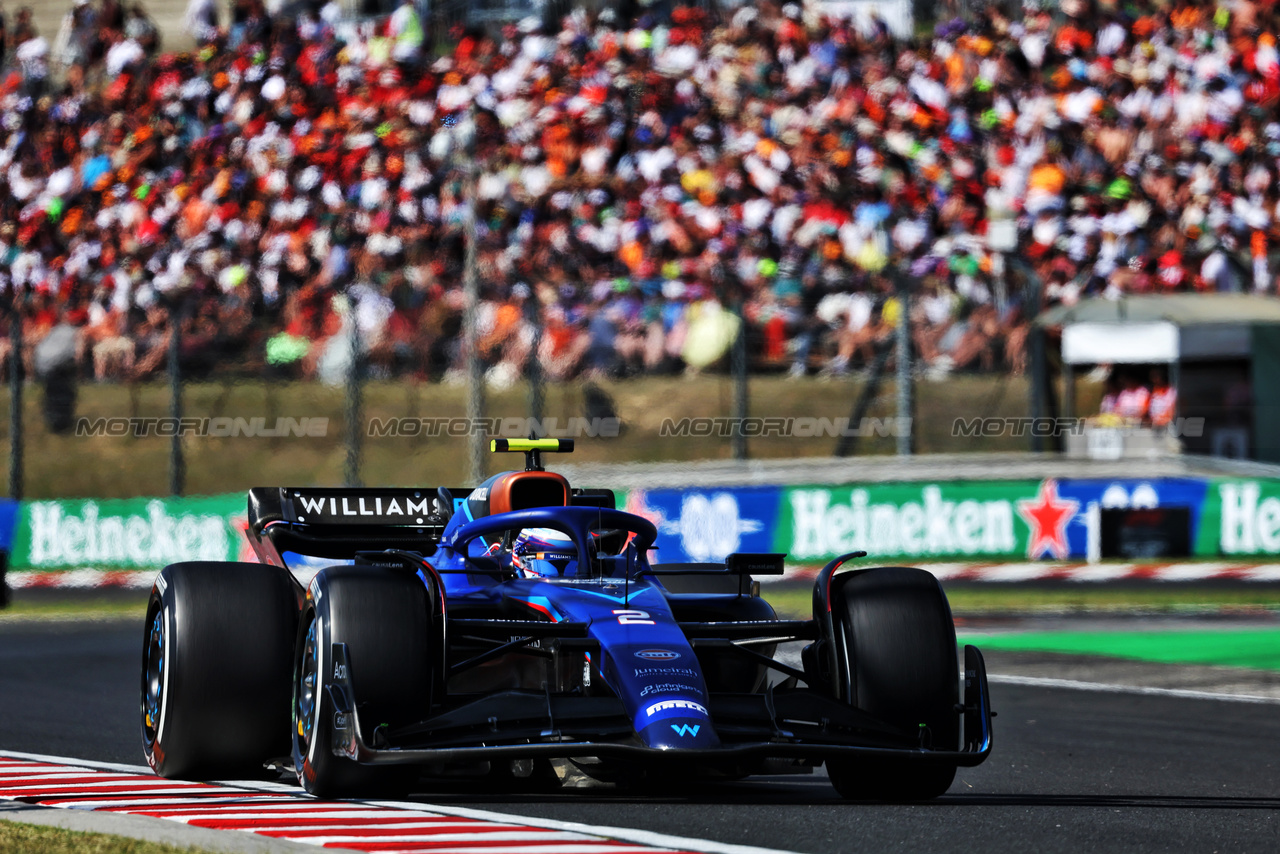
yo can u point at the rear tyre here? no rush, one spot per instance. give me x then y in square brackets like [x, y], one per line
[899, 651]
[217, 661]
[384, 618]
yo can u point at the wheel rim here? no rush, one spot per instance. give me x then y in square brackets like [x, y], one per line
[153, 678]
[307, 697]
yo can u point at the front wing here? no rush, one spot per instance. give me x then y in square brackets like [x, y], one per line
[785, 724]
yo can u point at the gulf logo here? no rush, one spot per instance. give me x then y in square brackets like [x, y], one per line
[658, 654]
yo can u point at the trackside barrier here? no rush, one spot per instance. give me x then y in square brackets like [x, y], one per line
[130, 533]
[967, 521]
[8, 522]
[996, 520]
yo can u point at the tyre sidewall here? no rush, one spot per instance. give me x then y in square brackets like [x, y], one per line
[228, 636]
[156, 738]
[900, 650]
[384, 619]
[319, 771]
[897, 645]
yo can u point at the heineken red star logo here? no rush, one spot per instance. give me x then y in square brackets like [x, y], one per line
[1047, 515]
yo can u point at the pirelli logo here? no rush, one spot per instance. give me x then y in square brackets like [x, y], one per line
[666, 705]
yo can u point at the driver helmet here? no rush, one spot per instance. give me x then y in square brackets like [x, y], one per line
[543, 552]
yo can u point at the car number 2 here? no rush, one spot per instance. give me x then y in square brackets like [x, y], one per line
[634, 618]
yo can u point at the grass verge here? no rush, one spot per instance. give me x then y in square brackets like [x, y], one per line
[1258, 649]
[120, 606]
[20, 838]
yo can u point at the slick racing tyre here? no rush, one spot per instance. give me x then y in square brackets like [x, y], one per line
[899, 650]
[384, 618]
[217, 659]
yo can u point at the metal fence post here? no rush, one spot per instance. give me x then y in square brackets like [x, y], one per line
[15, 404]
[15, 429]
[537, 392]
[906, 402]
[471, 294]
[1037, 363]
[739, 368]
[177, 465]
[354, 396]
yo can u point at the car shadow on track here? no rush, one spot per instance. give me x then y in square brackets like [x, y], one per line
[818, 791]
[1112, 801]
[756, 791]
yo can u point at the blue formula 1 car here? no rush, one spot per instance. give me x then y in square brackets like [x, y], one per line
[519, 632]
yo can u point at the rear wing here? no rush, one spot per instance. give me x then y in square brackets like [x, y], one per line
[336, 523]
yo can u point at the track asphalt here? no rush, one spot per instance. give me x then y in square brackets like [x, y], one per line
[1072, 770]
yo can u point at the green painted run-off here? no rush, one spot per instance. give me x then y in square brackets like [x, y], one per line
[1254, 648]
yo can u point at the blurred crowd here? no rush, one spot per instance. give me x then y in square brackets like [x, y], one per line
[297, 186]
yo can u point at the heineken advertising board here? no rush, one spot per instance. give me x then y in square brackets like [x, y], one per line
[1150, 494]
[996, 519]
[944, 520]
[915, 520]
[1241, 517]
[707, 525]
[130, 532]
[8, 523]
[949, 520]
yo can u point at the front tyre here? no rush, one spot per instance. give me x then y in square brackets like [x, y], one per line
[900, 664]
[216, 667]
[384, 618]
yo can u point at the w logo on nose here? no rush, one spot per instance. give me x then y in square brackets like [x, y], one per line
[686, 729]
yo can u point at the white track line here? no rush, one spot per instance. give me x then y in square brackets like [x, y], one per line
[342, 819]
[1103, 687]
[622, 834]
[165, 803]
[478, 835]
[248, 812]
[69, 762]
[567, 848]
[158, 788]
[292, 825]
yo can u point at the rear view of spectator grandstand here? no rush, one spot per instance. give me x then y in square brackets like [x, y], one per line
[638, 180]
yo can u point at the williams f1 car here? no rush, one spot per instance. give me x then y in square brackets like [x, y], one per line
[522, 631]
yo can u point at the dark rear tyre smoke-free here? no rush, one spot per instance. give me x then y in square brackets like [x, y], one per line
[217, 662]
[383, 617]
